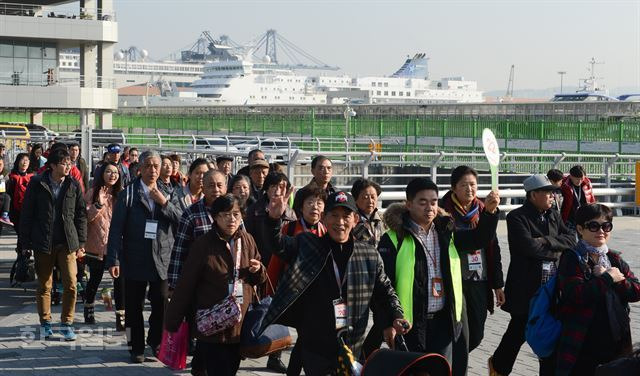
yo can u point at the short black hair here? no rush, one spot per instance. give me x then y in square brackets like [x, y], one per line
[72, 144]
[275, 178]
[58, 145]
[319, 159]
[554, 174]
[224, 158]
[586, 213]
[306, 192]
[254, 152]
[57, 156]
[459, 172]
[196, 163]
[361, 184]
[224, 204]
[419, 184]
[577, 171]
[133, 148]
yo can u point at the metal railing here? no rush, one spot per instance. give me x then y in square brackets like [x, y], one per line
[30, 10]
[612, 174]
[46, 79]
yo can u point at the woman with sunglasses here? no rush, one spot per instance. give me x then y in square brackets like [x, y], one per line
[595, 286]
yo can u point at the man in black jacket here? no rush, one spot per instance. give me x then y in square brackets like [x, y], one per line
[421, 253]
[140, 241]
[537, 237]
[53, 224]
[329, 286]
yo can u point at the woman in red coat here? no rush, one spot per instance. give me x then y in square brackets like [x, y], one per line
[576, 191]
[18, 180]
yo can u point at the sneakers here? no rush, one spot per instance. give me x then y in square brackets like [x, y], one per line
[4, 218]
[45, 330]
[67, 332]
[89, 314]
[120, 327]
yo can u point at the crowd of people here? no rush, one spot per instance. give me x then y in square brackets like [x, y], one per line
[429, 268]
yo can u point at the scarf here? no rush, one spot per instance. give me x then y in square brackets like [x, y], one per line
[585, 249]
[470, 217]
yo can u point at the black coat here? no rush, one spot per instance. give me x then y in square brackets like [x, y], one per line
[36, 218]
[397, 219]
[141, 259]
[262, 227]
[527, 252]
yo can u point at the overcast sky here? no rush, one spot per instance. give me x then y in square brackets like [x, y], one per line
[476, 39]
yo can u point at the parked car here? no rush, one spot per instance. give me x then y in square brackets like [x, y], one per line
[275, 147]
[215, 144]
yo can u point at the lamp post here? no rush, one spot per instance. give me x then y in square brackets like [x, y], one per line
[348, 114]
[561, 73]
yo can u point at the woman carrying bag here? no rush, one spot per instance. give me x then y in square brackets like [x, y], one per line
[213, 276]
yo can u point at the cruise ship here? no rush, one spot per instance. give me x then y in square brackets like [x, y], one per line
[240, 81]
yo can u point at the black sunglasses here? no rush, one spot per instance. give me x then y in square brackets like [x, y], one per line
[595, 226]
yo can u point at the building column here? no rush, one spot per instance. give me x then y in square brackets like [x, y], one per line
[86, 117]
[106, 119]
[35, 117]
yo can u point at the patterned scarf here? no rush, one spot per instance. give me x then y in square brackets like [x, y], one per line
[584, 248]
[469, 217]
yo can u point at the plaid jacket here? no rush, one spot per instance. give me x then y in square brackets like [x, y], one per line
[367, 282]
[579, 295]
[195, 222]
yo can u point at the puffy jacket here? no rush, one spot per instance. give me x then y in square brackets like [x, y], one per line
[397, 219]
[568, 196]
[99, 221]
[17, 187]
[37, 221]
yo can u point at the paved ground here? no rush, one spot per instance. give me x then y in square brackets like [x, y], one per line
[99, 350]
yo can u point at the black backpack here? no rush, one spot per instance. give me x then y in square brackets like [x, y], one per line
[23, 270]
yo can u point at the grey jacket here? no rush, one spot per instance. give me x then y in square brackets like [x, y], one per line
[139, 258]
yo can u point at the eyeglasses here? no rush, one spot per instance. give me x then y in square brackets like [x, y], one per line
[231, 215]
[595, 226]
[315, 203]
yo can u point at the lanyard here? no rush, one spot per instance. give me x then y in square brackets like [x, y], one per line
[578, 197]
[237, 244]
[336, 271]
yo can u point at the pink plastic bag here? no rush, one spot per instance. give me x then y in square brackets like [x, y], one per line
[173, 348]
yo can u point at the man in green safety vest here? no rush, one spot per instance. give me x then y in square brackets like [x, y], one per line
[421, 253]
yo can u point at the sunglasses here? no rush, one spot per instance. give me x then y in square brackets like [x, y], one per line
[595, 226]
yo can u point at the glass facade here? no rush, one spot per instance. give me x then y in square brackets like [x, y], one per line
[27, 63]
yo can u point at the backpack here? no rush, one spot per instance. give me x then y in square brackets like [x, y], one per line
[23, 270]
[543, 328]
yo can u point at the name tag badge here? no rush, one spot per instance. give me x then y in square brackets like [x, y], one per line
[546, 266]
[237, 290]
[3, 186]
[150, 229]
[340, 313]
[475, 261]
[437, 287]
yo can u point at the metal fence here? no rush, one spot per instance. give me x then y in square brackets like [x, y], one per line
[388, 133]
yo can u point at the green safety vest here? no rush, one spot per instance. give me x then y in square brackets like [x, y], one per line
[405, 269]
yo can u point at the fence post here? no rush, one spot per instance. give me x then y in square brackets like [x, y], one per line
[434, 167]
[365, 165]
[579, 134]
[444, 133]
[620, 135]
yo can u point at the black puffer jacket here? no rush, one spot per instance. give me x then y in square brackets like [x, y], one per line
[397, 219]
[37, 216]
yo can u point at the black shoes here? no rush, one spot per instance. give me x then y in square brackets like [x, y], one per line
[137, 358]
[275, 364]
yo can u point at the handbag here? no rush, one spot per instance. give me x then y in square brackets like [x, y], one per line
[223, 315]
[174, 347]
[274, 338]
